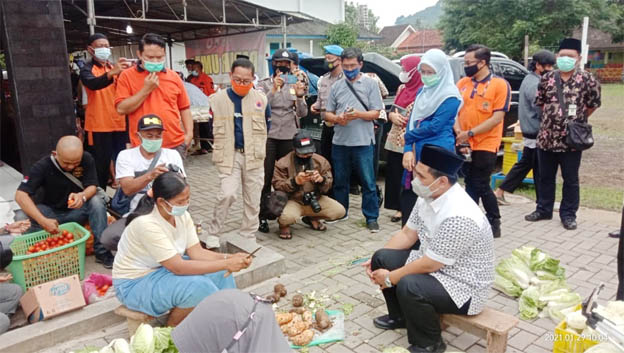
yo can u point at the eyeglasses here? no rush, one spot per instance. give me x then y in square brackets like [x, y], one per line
[242, 82]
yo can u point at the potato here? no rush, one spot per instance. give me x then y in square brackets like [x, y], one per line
[274, 298]
[306, 316]
[285, 328]
[297, 300]
[303, 338]
[299, 310]
[283, 318]
[323, 325]
[280, 289]
[296, 328]
[321, 315]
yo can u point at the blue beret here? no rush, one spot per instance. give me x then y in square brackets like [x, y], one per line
[333, 49]
[441, 159]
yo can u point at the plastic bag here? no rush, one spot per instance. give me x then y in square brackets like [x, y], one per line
[91, 285]
[334, 334]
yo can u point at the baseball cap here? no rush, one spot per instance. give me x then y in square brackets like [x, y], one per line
[150, 122]
[303, 142]
[282, 54]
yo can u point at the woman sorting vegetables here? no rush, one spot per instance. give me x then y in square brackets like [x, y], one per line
[160, 265]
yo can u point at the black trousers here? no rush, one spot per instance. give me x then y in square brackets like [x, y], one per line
[477, 176]
[106, 147]
[519, 171]
[549, 162]
[327, 135]
[419, 299]
[394, 174]
[205, 132]
[275, 149]
[408, 200]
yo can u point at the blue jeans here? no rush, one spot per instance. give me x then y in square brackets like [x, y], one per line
[94, 211]
[360, 160]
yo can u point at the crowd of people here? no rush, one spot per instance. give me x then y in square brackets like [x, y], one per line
[138, 120]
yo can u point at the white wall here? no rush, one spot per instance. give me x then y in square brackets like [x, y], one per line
[329, 10]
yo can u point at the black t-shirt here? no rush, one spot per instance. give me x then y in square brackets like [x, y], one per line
[56, 185]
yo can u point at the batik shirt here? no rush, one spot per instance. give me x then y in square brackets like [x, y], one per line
[454, 231]
[581, 89]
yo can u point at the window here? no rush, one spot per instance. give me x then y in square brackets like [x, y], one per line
[274, 46]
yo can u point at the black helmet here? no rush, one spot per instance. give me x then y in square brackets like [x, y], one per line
[544, 57]
[282, 54]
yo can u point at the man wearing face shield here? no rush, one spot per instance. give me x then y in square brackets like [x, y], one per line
[288, 105]
[150, 88]
[451, 271]
[105, 127]
[334, 67]
[580, 92]
[529, 116]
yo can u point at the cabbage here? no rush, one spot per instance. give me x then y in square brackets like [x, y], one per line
[541, 261]
[121, 346]
[515, 270]
[576, 320]
[162, 340]
[528, 310]
[143, 339]
[524, 254]
[606, 347]
[532, 295]
[506, 286]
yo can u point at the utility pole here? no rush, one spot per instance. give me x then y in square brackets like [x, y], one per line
[526, 51]
[584, 46]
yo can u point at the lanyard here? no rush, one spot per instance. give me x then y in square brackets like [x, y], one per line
[476, 90]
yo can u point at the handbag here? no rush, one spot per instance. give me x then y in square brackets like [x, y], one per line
[578, 134]
[121, 202]
[100, 192]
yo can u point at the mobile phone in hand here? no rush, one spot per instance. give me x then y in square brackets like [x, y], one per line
[289, 79]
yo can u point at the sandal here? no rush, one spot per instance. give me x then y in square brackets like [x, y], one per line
[320, 228]
[285, 236]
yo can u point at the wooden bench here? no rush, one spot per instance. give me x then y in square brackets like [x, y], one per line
[134, 318]
[492, 325]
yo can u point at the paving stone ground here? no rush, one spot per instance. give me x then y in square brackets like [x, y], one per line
[322, 262]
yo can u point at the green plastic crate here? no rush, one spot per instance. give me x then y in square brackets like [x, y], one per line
[29, 270]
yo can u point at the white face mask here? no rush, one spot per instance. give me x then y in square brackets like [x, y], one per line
[422, 190]
[405, 77]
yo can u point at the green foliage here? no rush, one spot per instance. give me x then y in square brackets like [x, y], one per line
[351, 17]
[427, 18]
[341, 34]
[502, 24]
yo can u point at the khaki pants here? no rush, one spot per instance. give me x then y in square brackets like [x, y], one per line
[251, 181]
[330, 210]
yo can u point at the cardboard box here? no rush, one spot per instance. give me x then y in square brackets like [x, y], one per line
[52, 298]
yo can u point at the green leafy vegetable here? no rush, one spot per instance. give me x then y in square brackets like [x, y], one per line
[506, 286]
[143, 339]
[515, 270]
[162, 340]
[524, 254]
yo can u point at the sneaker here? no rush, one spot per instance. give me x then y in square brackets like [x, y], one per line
[373, 226]
[264, 226]
[536, 216]
[569, 223]
[337, 220]
[105, 260]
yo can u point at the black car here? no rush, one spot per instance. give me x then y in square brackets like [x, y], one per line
[389, 71]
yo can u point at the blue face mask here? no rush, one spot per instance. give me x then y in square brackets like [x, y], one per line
[102, 53]
[351, 74]
[153, 67]
[176, 211]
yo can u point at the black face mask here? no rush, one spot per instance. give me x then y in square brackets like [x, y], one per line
[471, 70]
[330, 65]
[302, 161]
[281, 70]
[545, 72]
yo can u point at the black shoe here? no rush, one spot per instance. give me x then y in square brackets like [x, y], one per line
[384, 322]
[106, 260]
[264, 226]
[536, 216]
[373, 226]
[439, 347]
[569, 223]
[496, 228]
[615, 234]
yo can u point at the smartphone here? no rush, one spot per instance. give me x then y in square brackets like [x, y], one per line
[132, 61]
[289, 79]
[400, 110]
[309, 171]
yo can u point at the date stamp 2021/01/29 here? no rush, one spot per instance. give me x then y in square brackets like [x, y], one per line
[569, 337]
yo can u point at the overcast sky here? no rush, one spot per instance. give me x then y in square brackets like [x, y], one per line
[389, 10]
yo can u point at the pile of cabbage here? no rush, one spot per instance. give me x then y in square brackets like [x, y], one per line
[539, 283]
[145, 340]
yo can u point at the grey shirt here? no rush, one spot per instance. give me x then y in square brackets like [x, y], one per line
[529, 114]
[286, 109]
[357, 132]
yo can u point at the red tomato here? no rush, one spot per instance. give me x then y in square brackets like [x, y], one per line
[31, 248]
[105, 287]
[65, 232]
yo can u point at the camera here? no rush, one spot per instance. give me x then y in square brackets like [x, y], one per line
[174, 168]
[309, 198]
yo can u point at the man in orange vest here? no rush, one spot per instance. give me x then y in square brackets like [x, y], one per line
[106, 129]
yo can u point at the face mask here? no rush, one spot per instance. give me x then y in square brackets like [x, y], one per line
[330, 65]
[545, 72]
[153, 67]
[471, 70]
[241, 90]
[176, 211]
[283, 69]
[422, 190]
[351, 74]
[302, 161]
[151, 146]
[406, 76]
[102, 53]
[565, 63]
[430, 80]
[194, 73]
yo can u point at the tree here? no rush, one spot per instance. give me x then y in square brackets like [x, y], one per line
[341, 34]
[502, 24]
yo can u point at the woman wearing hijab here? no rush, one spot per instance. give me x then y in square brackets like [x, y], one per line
[432, 117]
[398, 115]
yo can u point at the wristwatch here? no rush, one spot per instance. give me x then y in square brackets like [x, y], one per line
[470, 133]
[387, 281]
[84, 198]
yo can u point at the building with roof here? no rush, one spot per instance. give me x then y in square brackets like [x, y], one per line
[392, 36]
[605, 57]
[421, 41]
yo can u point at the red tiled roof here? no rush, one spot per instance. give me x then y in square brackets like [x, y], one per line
[422, 39]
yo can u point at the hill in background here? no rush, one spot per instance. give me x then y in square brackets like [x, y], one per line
[427, 18]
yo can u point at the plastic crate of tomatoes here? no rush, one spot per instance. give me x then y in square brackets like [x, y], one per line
[42, 257]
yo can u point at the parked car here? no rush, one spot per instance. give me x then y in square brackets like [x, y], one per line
[388, 70]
